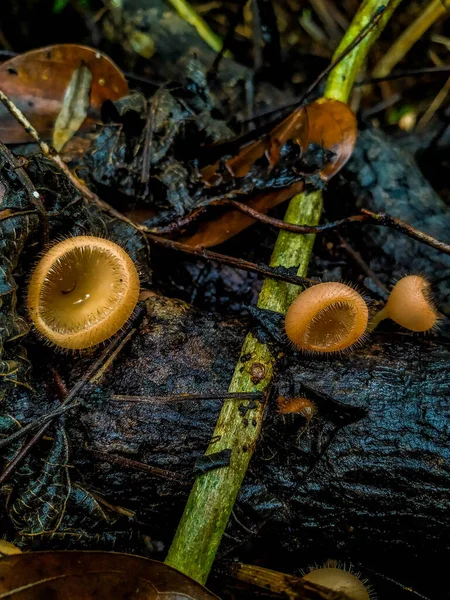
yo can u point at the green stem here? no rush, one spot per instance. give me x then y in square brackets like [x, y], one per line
[186, 12]
[213, 495]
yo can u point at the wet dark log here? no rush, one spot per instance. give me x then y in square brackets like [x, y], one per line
[368, 478]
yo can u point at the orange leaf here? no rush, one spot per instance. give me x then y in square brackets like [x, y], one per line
[293, 127]
[332, 125]
[93, 575]
[218, 230]
[37, 81]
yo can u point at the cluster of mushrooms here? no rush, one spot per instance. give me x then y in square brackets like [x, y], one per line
[332, 317]
[85, 288]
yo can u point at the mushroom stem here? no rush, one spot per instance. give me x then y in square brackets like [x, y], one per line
[381, 315]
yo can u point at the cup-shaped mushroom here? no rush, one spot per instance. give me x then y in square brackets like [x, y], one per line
[327, 317]
[410, 305]
[340, 580]
[82, 291]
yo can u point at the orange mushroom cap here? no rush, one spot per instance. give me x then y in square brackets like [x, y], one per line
[82, 291]
[339, 580]
[327, 317]
[410, 305]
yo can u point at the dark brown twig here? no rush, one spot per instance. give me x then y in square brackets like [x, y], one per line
[238, 263]
[42, 420]
[368, 217]
[137, 466]
[148, 146]
[386, 220]
[169, 398]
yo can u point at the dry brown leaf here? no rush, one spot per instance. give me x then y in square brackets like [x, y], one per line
[74, 108]
[37, 81]
[218, 230]
[332, 125]
[94, 575]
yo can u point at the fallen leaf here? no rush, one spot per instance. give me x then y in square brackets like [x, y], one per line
[217, 230]
[327, 123]
[37, 82]
[94, 575]
[293, 127]
[332, 125]
[74, 108]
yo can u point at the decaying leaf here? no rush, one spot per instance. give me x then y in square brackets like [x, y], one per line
[325, 122]
[74, 108]
[294, 127]
[329, 124]
[217, 230]
[37, 82]
[333, 126]
[96, 575]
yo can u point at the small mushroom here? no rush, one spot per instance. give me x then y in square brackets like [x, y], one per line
[301, 406]
[82, 291]
[340, 580]
[327, 317]
[410, 305]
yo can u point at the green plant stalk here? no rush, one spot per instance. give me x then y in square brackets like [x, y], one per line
[213, 495]
[186, 12]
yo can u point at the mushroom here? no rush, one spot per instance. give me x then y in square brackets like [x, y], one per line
[340, 580]
[327, 317]
[410, 305]
[82, 291]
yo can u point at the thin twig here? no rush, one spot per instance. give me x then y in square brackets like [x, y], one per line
[68, 403]
[23, 452]
[367, 217]
[238, 263]
[33, 425]
[170, 398]
[137, 466]
[148, 145]
[233, 23]
[400, 73]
